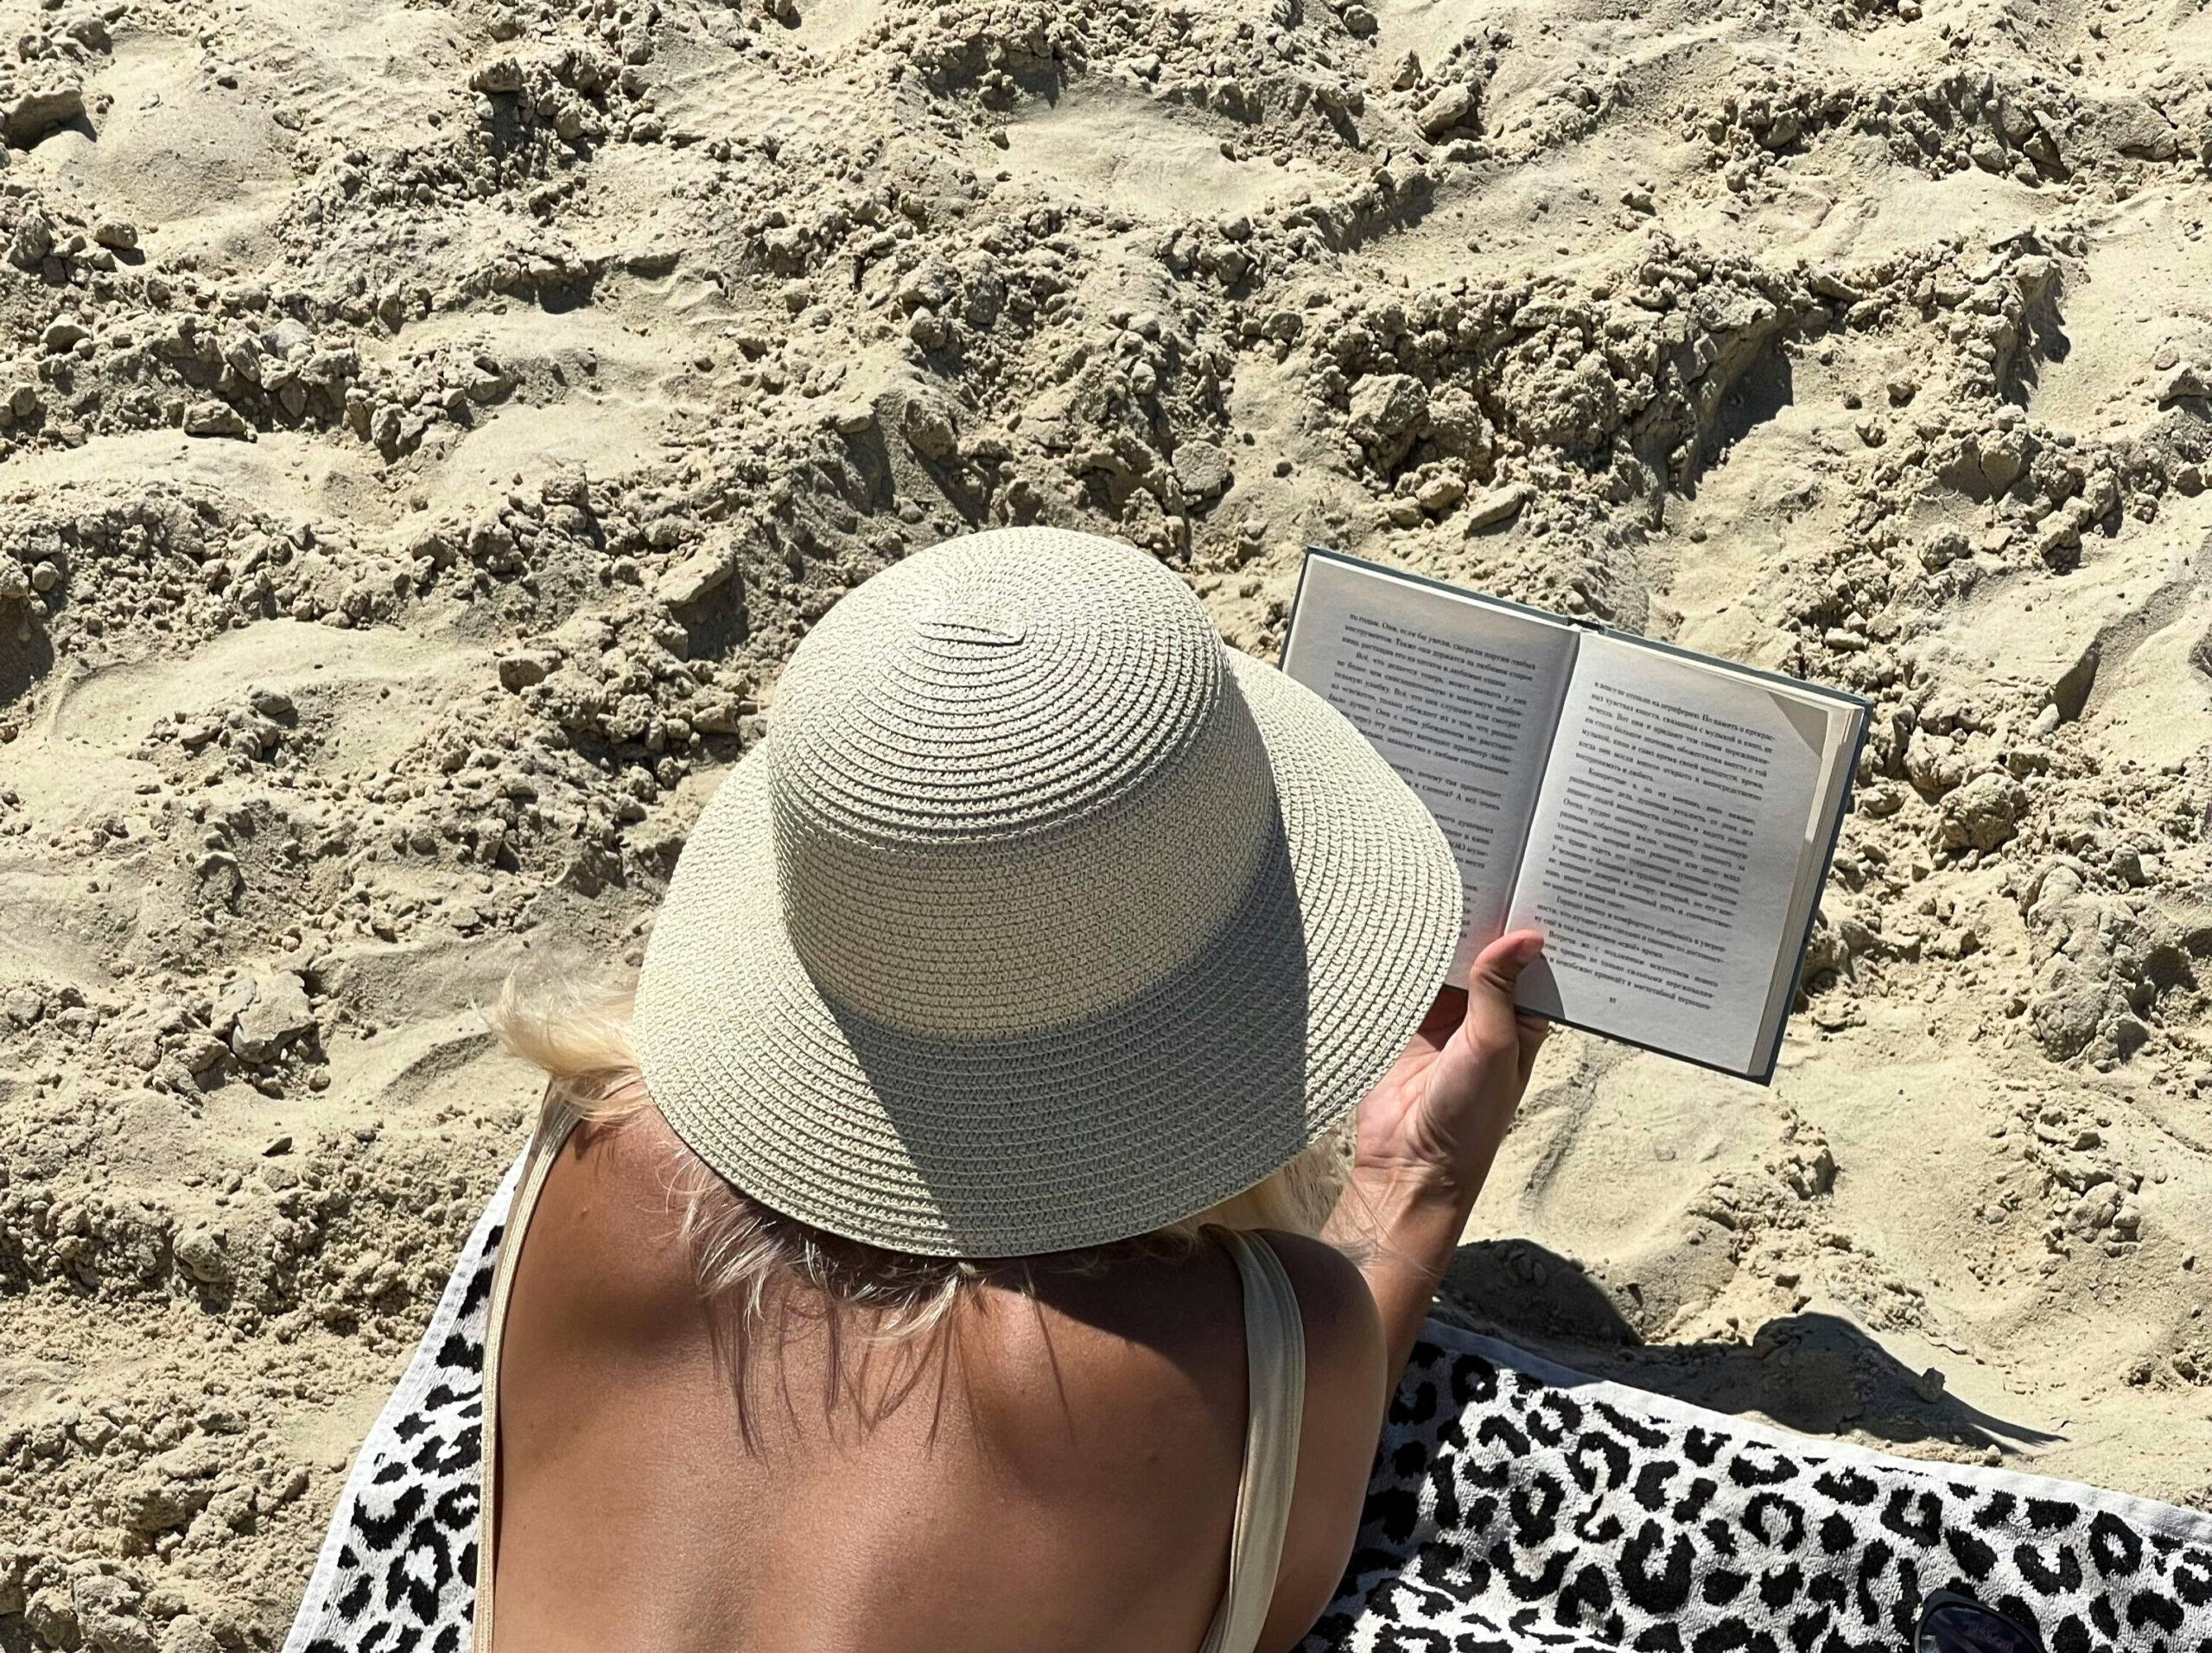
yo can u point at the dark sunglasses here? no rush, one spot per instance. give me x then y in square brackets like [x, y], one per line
[1951, 1623]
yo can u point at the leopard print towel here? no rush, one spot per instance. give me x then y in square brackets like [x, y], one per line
[1514, 1507]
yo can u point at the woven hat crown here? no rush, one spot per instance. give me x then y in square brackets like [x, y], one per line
[1013, 783]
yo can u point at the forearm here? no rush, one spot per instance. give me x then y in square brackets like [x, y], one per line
[1401, 1229]
[1426, 1135]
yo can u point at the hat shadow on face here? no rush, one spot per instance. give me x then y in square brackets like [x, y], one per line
[1157, 1108]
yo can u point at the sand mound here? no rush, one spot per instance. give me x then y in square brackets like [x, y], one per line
[425, 429]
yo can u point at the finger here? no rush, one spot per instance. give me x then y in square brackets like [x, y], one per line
[1491, 982]
[1532, 1032]
[1444, 1014]
[1500, 963]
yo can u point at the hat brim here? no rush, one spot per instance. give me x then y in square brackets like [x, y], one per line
[1080, 1133]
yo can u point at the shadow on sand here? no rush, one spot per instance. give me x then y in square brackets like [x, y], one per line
[1814, 1373]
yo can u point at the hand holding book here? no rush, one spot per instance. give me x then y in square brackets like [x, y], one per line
[1427, 1133]
[1437, 1117]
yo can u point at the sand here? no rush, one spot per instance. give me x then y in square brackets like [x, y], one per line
[427, 427]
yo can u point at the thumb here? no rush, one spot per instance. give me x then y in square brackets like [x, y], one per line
[1492, 979]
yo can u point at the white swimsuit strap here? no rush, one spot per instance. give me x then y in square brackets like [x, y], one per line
[543, 1153]
[1274, 1354]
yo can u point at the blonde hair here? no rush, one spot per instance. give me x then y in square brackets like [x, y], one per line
[746, 1259]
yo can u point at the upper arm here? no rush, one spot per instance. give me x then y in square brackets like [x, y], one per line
[1342, 1421]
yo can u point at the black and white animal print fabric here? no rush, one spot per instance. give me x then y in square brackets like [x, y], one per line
[396, 1573]
[1515, 1508]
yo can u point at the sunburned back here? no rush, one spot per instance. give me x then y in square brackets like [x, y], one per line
[1065, 1479]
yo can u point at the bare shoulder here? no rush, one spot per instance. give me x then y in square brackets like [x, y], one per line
[606, 1236]
[1343, 1333]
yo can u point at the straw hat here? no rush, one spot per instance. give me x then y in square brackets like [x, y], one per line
[1041, 919]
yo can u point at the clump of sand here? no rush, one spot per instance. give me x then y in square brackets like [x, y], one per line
[425, 429]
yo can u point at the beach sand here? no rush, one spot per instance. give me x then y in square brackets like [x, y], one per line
[427, 428]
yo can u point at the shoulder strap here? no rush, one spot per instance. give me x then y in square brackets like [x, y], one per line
[544, 1152]
[1275, 1355]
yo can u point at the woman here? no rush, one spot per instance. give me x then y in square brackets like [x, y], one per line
[917, 1268]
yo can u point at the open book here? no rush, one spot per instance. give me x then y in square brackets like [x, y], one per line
[1665, 818]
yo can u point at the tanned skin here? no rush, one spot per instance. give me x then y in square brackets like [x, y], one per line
[1065, 1478]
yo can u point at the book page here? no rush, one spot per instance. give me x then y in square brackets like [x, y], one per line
[1458, 695]
[1838, 754]
[1665, 855]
